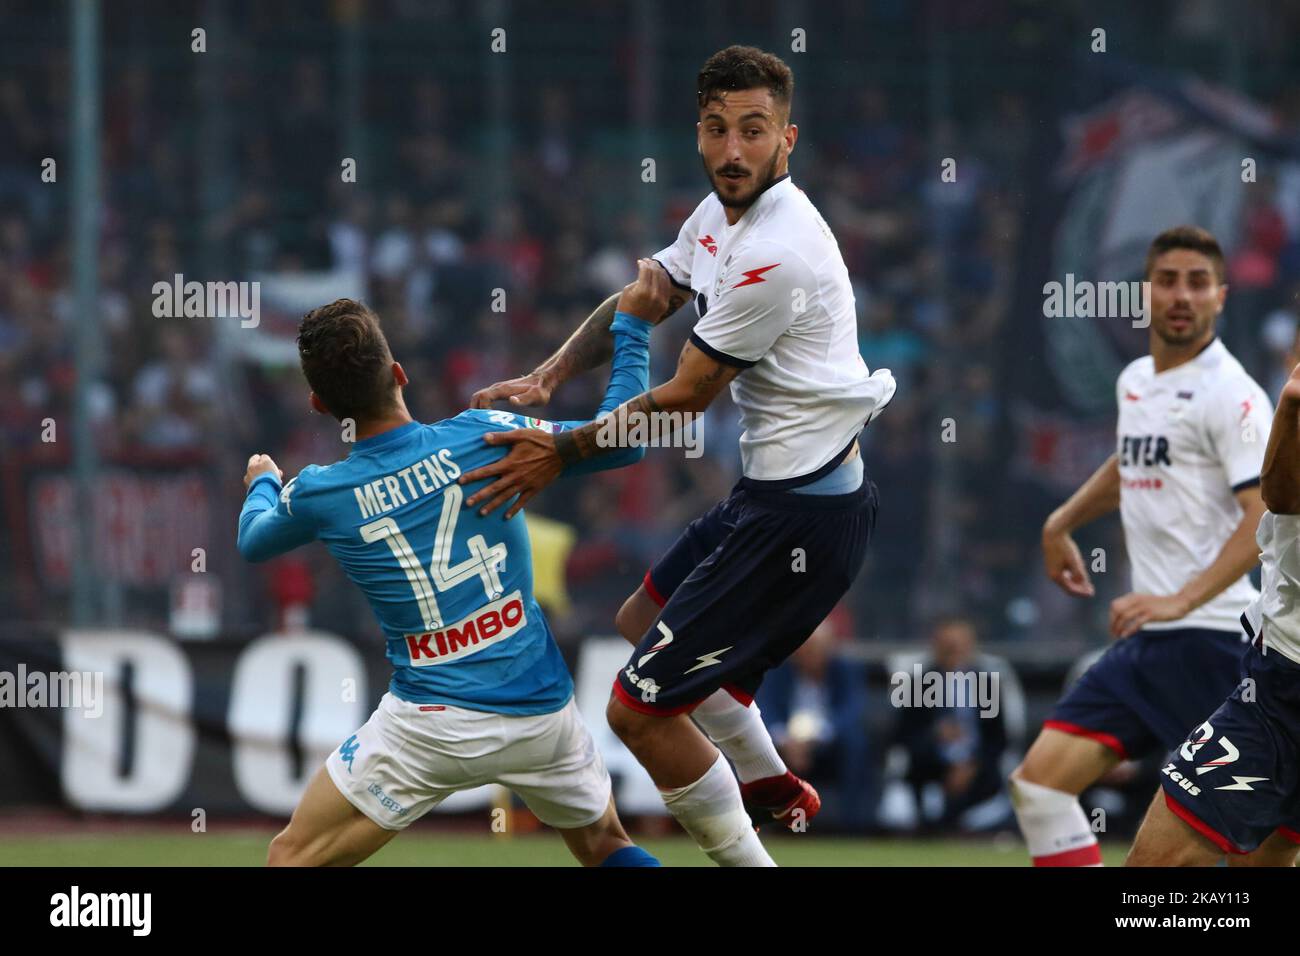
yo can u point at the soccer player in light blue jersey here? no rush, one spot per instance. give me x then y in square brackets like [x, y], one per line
[480, 693]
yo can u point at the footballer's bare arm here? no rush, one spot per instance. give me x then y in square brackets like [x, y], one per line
[1097, 496]
[536, 458]
[691, 390]
[590, 346]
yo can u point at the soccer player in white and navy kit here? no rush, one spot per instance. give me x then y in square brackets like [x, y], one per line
[1185, 478]
[749, 580]
[479, 692]
[1233, 787]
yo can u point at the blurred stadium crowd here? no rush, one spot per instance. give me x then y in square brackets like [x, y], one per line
[936, 267]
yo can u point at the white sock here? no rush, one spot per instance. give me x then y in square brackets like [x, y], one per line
[1054, 826]
[710, 810]
[739, 733]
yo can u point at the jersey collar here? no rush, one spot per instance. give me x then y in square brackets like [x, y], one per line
[775, 187]
[384, 438]
[1210, 349]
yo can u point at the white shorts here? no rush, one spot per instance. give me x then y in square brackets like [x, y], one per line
[410, 757]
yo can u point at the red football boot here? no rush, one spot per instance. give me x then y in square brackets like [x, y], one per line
[786, 799]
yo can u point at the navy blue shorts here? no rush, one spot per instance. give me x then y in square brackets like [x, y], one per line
[741, 589]
[1236, 779]
[1147, 692]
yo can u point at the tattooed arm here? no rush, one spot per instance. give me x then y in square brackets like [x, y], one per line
[537, 458]
[698, 381]
[589, 347]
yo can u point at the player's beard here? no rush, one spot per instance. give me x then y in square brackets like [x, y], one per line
[761, 183]
[1194, 331]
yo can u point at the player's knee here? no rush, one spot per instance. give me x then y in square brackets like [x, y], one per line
[289, 849]
[1036, 773]
[285, 850]
[635, 616]
[1032, 799]
[628, 725]
[624, 622]
[1016, 777]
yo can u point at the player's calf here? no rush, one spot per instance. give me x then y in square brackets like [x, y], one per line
[736, 728]
[326, 830]
[636, 616]
[1045, 792]
[605, 843]
[697, 786]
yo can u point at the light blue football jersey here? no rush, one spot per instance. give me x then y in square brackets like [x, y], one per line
[453, 590]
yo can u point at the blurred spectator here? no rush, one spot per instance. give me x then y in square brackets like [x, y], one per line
[953, 750]
[815, 705]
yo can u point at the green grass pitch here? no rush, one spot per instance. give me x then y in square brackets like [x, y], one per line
[248, 848]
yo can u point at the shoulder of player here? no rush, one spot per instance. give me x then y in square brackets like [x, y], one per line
[499, 419]
[706, 211]
[298, 491]
[1226, 380]
[767, 259]
[1140, 368]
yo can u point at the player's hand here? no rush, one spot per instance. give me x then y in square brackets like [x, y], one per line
[1130, 613]
[532, 389]
[1064, 564]
[530, 466]
[261, 465]
[649, 296]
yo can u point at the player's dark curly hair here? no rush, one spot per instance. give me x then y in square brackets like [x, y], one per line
[346, 360]
[745, 68]
[1187, 237]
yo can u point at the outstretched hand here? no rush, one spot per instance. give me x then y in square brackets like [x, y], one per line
[531, 464]
[532, 389]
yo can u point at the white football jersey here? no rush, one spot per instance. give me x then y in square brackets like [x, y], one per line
[774, 298]
[1188, 439]
[1277, 609]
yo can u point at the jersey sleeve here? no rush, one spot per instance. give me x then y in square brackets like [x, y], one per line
[629, 376]
[274, 520]
[1237, 425]
[676, 258]
[761, 291]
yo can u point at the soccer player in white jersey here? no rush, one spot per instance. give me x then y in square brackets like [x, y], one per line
[748, 581]
[1233, 787]
[1185, 478]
